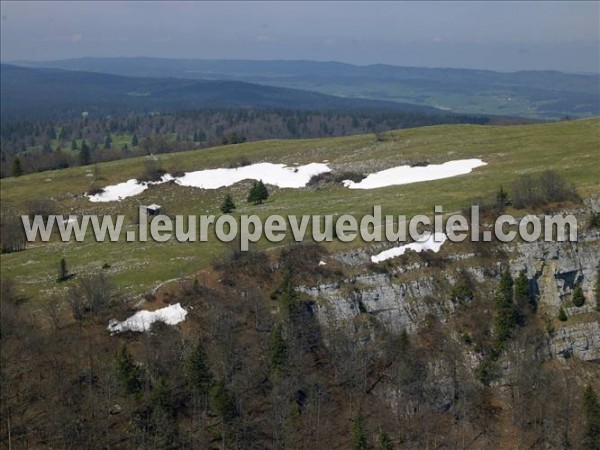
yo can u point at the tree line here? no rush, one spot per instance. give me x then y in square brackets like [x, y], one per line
[34, 146]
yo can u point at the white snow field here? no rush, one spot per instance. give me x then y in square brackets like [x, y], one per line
[142, 320]
[283, 176]
[119, 191]
[274, 174]
[433, 242]
[407, 174]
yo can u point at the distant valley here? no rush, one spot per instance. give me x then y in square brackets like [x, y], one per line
[533, 94]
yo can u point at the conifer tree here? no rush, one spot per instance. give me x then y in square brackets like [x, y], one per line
[223, 401]
[200, 377]
[506, 314]
[562, 315]
[385, 443]
[63, 272]
[258, 193]
[501, 199]
[17, 169]
[578, 297]
[288, 292]
[134, 140]
[84, 154]
[523, 298]
[597, 290]
[128, 372]
[278, 350]
[359, 439]
[227, 206]
[591, 411]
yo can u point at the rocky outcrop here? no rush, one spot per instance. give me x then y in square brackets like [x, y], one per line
[581, 340]
[553, 268]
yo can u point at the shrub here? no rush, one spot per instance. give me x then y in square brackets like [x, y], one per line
[12, 234]
[562, 315]
[594, 220]
[487, 371]
[95, 191]
[547, 187]
[240, 161]
[93, 294]
[152, 171]
[578, 297]
[335, 178]
[63, 272]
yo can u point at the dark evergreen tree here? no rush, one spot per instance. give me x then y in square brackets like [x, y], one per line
[63, 272]
[227, 206]
[506, 314]
[164, 416]
[199, 375]
[359, 439]
[562, 315]
[74, 145]
[107, 142]
[597, 290]
[288, 295]
[16, 169]
[385, 443]
[501, 199]
[258, 193]
[591, 411]
[525, 303]
[578, 297]
[223, 402]
[278, 350]
[134, 140]
[128, 373]
[85, 155]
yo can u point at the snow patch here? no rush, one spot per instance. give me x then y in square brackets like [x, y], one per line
[407, 174]
[143, 320]
[433, 242]
[119, 191]
[322, 263]
[274, 174]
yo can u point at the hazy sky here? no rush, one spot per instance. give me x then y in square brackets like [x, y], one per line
[490, 35]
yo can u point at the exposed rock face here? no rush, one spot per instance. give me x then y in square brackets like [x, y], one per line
[398, 305]
[581, 340]
[553, 268]
[558, 267]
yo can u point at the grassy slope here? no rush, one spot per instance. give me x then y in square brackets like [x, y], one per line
[570, 148]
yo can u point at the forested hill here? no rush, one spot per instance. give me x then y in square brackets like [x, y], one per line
[535, 94]
[31, 94]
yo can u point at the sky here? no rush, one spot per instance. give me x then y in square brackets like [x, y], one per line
[504, 36]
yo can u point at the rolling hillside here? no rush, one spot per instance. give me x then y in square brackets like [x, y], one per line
[534, 94]
[53, 93]
[570, 148]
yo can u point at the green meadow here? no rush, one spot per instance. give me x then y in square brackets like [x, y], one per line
[571, 148]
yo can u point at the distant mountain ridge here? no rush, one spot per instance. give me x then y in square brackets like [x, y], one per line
[536, 94]
[55, 93]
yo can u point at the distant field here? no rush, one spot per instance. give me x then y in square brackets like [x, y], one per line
[571, 148]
